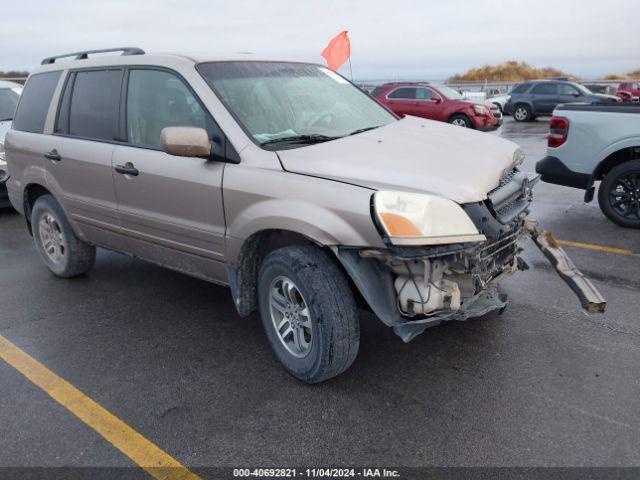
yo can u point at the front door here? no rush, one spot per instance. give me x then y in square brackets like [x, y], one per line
[402, 101]
[429, 104]
[545, 98]
[170, 207]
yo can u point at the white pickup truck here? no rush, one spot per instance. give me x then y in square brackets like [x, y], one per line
[589, 143]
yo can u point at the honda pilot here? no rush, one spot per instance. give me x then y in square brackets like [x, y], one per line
[281, 180]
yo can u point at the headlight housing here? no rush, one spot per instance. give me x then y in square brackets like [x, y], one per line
[423, 219]
[480, 109]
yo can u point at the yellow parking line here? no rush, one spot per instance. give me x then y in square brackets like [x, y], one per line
[144, 453]
[599, 248]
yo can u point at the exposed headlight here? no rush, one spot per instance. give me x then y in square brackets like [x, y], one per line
[422, 219]
[480, 109]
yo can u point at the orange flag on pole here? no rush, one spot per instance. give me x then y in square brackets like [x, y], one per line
[338, 51]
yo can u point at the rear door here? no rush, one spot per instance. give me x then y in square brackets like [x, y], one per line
[544, 97]
[171, 207]
[79, 153]
[402, 101]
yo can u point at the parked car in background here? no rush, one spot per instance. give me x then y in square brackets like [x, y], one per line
[9, 96]
[603, 88]
[590, 143]
[474, 96]
[499, 101]
[437, 103]
[536, 98]
[279, 179]
[629, 91]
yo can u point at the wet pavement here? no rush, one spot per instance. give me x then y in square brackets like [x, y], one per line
[542, 384]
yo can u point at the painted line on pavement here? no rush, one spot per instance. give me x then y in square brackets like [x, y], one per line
[599, 248]
[143, 452]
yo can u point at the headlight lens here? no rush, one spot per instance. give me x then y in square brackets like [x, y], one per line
[481, 109]
[422, 219]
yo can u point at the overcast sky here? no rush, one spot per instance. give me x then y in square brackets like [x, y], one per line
[389, 39]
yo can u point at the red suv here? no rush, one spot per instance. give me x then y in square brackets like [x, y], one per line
[629, 91]
[437, 103]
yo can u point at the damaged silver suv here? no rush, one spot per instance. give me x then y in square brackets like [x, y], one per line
[281, 180]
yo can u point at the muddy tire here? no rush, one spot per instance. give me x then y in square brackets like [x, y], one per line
[308, 313]
[60, 249]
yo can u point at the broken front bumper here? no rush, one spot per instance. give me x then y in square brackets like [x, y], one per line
[379, 277]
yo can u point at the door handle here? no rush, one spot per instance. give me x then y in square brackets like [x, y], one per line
[53, 155]
[127, 169]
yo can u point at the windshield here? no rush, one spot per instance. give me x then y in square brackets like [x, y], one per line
[295, 103]
[8, 102]
[450, 93]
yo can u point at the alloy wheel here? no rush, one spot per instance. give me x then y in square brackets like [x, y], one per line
[290, 317]
[521, 113]
[460, 122]
[52, 238]
[624, 197]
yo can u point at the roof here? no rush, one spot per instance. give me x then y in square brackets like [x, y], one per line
[88, 59]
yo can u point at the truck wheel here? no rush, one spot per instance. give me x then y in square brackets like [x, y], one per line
[619, 194]
[308, 313]
[461, 121]
[522, 113]
[59, 247]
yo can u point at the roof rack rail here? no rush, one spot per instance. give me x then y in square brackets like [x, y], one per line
[85, 54]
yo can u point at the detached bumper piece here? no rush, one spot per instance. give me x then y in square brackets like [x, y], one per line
[591, 299]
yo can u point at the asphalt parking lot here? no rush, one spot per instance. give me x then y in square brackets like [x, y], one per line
[544, 384]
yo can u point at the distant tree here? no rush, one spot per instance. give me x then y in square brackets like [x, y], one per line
[511, 71]
[13, 74]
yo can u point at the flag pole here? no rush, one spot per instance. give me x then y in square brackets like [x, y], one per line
[350, 70]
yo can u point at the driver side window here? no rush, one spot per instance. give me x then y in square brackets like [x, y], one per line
[157, 99]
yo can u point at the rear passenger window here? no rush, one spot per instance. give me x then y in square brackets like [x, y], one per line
[34, 103]
[406, 93]
[157, 99]
[93, 109]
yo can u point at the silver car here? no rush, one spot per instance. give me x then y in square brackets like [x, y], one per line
[279, 179]
[9, 96]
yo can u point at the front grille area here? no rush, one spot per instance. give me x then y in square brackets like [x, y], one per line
[495, 255]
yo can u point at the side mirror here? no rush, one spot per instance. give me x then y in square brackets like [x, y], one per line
[576, 94]
[186, 141]
[437, 99]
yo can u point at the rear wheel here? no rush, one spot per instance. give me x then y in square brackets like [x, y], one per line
[461, 121]
[59, 247]
[308, 313]
[619, 194]
[522, 113]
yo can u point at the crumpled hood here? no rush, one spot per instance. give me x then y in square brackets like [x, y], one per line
[412, 154]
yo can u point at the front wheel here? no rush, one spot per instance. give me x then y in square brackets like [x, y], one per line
[619, 194]
[522, 113]
[308, 313]
[59, 247]
[461, 121]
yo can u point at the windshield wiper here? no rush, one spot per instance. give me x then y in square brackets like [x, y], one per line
[312, 138]
[5, 119]
[366, 129]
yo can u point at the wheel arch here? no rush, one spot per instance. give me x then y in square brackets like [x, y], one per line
[31, 193]
[611, 160]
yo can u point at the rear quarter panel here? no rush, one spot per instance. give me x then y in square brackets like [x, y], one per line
[593, 136]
